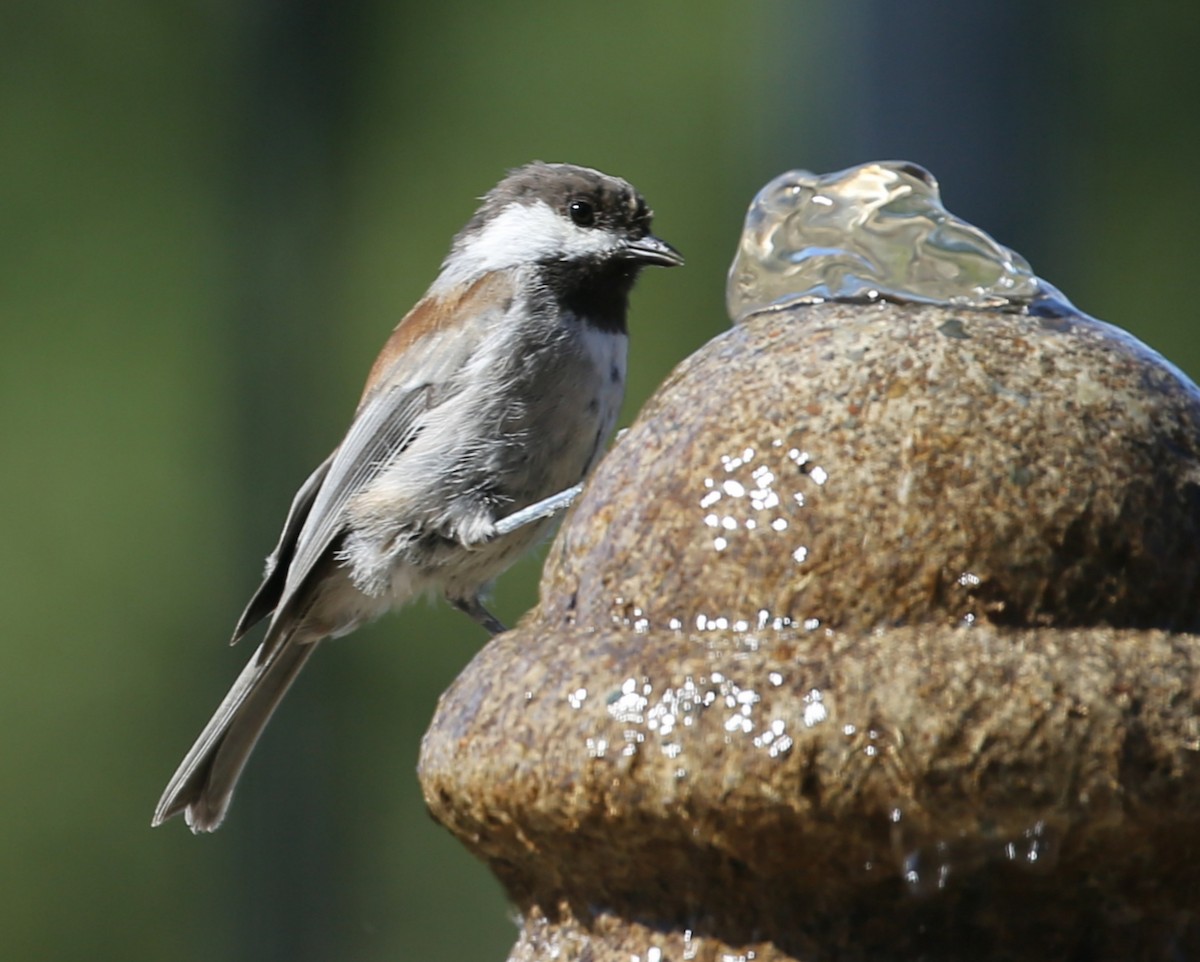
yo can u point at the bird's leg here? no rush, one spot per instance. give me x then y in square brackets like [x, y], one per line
[473, 608]
[547, 507]
[536, 512]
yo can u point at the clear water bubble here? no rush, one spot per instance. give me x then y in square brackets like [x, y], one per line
[874, 232]
[927, 863]
[1035, 849]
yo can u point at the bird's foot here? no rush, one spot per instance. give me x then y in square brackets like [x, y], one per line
[473, 608]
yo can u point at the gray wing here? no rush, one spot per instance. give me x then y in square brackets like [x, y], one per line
[266, 598]
[386, 425]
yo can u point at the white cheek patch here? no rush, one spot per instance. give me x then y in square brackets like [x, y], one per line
[522, 234]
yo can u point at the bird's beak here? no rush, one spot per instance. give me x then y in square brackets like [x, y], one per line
[651, 250]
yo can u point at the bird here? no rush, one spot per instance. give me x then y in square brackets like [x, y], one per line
[495, 393]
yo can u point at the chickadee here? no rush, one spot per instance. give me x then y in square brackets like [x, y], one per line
[496, 391]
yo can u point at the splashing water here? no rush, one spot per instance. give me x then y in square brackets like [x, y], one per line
[874, 232]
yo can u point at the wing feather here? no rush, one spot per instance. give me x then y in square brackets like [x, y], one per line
[386, 425]
[266, 598]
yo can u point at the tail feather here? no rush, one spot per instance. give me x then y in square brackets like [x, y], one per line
[203, 785]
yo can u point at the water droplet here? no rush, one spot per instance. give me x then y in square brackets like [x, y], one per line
[814, 709]
[954, 328]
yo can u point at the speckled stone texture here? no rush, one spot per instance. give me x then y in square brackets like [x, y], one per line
[870, 640]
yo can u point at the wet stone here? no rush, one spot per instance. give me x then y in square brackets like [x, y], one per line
[873, 638]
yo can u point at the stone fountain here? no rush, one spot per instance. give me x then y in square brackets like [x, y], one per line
[871, 639]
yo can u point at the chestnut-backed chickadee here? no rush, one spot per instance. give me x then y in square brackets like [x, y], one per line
[496, 391]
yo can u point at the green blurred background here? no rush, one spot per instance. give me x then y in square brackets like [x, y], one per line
[213, 213]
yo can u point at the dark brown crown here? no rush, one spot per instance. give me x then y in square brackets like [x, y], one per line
[617, 206]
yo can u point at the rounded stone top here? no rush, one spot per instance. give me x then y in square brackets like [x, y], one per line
[853, 466]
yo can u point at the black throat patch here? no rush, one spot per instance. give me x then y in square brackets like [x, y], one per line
[595, 291]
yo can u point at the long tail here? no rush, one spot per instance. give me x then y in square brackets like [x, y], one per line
[203, 785]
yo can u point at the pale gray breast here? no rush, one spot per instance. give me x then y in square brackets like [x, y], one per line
[570, 397]
[570, 406]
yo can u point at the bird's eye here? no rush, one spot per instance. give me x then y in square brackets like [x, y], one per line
[582, 213]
